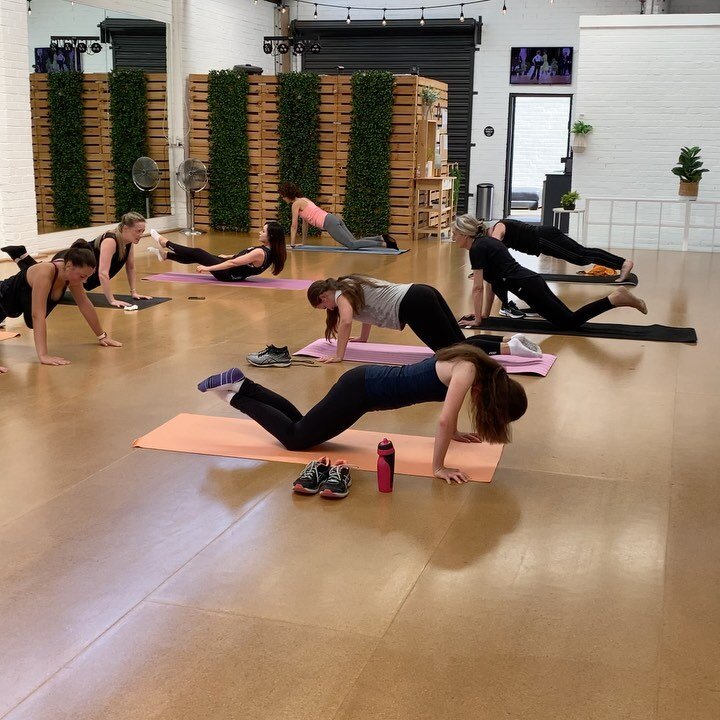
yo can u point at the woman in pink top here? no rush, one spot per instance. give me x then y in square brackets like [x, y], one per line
[307, 211]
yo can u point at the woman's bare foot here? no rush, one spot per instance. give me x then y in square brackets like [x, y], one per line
[2, 369]
[627, 266]
[624, 298]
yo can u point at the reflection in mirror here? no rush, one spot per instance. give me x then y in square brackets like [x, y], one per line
[71, 38]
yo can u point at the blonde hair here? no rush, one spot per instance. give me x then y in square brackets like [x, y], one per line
[468, 225]
[129, 219]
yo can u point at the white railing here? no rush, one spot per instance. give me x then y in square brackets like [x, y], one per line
[652, 223]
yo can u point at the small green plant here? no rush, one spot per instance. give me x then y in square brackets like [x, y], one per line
[690, 168]
[568, 200]
[581, 128]
[457, 174]
[429, 95]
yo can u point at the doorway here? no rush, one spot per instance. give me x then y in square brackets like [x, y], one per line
[538, 139]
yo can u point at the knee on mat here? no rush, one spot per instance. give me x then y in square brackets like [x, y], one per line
[295, 445]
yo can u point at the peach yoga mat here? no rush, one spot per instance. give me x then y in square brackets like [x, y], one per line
[4, 335]
[240, 438]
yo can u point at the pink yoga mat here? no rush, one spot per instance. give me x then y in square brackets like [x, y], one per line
[251, 282]
[406, 354]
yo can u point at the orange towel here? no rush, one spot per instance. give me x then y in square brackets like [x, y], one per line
[598, 270]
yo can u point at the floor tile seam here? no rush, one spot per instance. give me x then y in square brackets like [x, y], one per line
[64, 491]
[117, 621]
[245, 616]
[634, 483]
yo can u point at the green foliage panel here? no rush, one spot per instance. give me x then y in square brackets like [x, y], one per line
[229, 171]
[299, 129]
[67, 151]
[367, 197]
[128, 135]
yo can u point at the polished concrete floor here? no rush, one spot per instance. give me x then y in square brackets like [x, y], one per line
[582, 584]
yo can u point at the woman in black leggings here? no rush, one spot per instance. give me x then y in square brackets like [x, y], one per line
[448, 377]
[548, 240]
[229, 268]
[496, 272]
[390, 305]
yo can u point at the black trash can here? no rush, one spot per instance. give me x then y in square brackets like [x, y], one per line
[484, 201]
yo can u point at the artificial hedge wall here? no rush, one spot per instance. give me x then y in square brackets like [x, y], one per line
[367, 195]
[229, 171]
[299, 129]
[67, 150]
[128, 135]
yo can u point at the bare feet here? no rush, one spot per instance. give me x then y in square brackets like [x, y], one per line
[627, 266]
[2, 369]
[624, 298]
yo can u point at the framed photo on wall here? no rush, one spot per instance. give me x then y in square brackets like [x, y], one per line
[541, 65]
[48, 60]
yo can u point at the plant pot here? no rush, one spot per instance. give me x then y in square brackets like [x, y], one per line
[688, 190]
[571, 206]
[579, 143]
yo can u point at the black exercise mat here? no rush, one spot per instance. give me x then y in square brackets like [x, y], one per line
[100, 301]
[631, 279]
[659, 333]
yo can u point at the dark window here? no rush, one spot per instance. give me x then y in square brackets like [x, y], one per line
[136, 43]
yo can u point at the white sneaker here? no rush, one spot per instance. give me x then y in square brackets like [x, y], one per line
[520, 346]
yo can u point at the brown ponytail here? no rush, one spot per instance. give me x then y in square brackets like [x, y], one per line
[496, 399]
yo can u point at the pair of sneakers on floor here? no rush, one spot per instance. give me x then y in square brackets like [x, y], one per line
[331, 480]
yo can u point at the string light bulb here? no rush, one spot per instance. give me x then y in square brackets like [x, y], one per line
[315, 13]
[462, 14]
[384, 21]
[422, 16]
[29, 8]
[348, 20]
[283, 9]
[504, 10]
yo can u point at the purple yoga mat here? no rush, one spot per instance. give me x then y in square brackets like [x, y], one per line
[252, 282]
[406, 354]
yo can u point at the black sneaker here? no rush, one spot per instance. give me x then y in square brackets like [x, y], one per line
[14, 251]
[271, 356]
[511, 310]
[312, 477]
[338, 481]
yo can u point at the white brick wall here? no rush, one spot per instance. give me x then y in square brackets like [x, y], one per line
[647, 95]
[528, 22]
[160, 10]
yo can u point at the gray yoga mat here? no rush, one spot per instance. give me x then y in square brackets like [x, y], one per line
[340, 249]
[658, 333]
[100, 301]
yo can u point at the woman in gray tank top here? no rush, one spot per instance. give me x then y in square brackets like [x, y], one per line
[391, 305]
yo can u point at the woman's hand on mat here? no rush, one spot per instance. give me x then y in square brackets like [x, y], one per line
[138, 296]
[469, 325]
[202, 269]
[52, 360]
[120, 303]
[466, 318]
[451, 475]
[109, 342]
[226, 257]
[357, 339]
[466, 437]
[2, 369]
[330, 359]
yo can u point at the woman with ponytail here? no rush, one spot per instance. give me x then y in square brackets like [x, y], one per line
[447, 377]
[35, 292]
[389, 305]
[113, 250]
[271, 252]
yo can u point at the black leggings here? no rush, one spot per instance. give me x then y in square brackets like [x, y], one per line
[344, 404]
[557, 244]
[424, 309]
[188, 256]
[536, 293]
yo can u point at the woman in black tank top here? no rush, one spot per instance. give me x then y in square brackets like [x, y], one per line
[35, 292]
[229, 268]
[113, 251]
[449, 377]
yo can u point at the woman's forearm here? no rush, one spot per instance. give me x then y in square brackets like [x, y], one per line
[132, 278]
[87, 310]
[107, 290]
[443, 435]
[40, 335]
[343, 336]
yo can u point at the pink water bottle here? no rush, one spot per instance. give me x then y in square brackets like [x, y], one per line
[386, 466]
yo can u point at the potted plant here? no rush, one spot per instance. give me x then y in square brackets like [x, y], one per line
[689, 170]
[429, 97]
[568, 200]
[580, 130]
